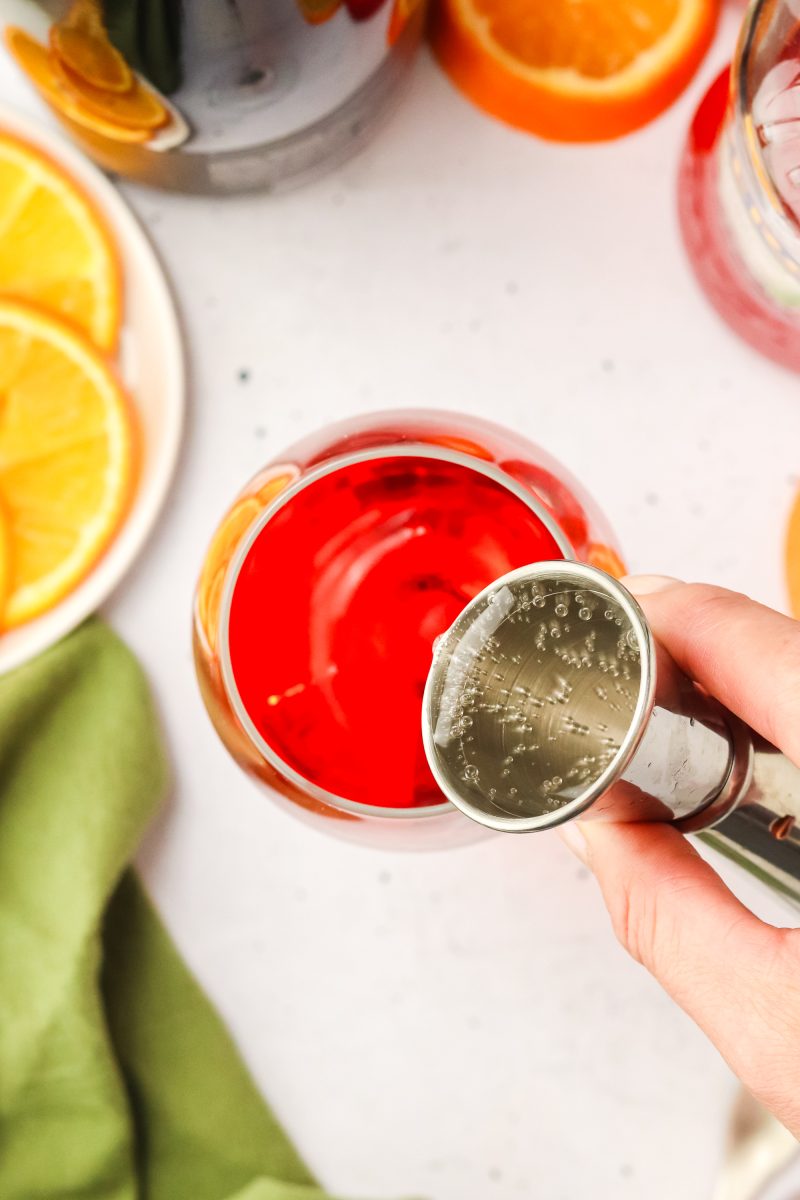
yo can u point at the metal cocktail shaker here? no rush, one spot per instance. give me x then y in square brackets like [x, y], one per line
[550, 699]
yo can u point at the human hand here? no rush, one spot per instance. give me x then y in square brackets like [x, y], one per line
[736, 976]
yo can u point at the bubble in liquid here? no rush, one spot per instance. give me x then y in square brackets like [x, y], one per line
[539, 601]
[557, 781]
[585, 614]
[608, 614]
[561, 610]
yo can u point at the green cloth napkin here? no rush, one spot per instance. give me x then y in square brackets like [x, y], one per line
[117, 1078]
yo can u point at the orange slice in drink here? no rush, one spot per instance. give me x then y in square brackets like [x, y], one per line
[38, 64]
[139, 108]
[67, 460]
[55, 248]
[317, 12]
[602, 556]
[792, 557]
[81, 42]
[572, 71]
[260, 492]
[403, 11]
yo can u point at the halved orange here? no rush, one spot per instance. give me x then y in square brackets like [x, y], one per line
[138, 108]
[81, 42]
[572, 70]
[792, 557]
[67, 456]
[55, 248]
[37, 63]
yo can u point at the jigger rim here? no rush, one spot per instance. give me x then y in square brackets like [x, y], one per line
[584, 576]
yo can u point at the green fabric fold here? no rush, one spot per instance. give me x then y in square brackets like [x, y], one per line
[117, 1079]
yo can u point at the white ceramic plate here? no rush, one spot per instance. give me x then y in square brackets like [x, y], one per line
[151, 364]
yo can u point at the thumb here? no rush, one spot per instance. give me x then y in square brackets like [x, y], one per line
[738, 978]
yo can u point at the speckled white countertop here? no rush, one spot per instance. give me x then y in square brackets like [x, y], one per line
[456, 1025]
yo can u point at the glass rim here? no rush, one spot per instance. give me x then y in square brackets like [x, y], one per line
[587, 577]
[490, 470]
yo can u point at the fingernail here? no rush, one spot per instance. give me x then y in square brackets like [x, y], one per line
[643, 585]
[574, 839]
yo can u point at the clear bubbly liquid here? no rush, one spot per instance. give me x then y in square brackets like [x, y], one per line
[536, 691]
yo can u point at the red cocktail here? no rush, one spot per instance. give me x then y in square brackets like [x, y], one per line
[331, 577]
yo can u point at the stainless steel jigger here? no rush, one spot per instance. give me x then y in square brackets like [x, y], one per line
[549, 699]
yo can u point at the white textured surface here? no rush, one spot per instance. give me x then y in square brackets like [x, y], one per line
[457, 1025]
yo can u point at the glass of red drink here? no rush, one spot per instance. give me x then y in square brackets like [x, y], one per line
[327, 583]
[739, 185]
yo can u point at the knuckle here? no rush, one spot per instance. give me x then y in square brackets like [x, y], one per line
[712, 606]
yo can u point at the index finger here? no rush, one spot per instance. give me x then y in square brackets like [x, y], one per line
[741, 652]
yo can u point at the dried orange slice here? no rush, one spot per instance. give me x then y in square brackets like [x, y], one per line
[54, 246]
[792, 557]
[37, 63]
[572, 71]
[67, 458]
[81, 42]
[138, 108]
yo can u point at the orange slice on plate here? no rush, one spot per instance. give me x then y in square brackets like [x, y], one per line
[5, 561]
[55, 248]
[67, 460]
[81, 42]
[571, 71]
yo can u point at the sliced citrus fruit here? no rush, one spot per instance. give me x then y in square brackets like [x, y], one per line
[571, 71]
[5, 562]
[402, 13]
[317, 12]
[81, 42]
[67, 458]
[37, 63]
[138, 108]
[54, 246]
[606, 558]
[792, 557]
[260, 492]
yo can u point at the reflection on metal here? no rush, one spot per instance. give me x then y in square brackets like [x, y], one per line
[758, 1156]
[549, 699]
